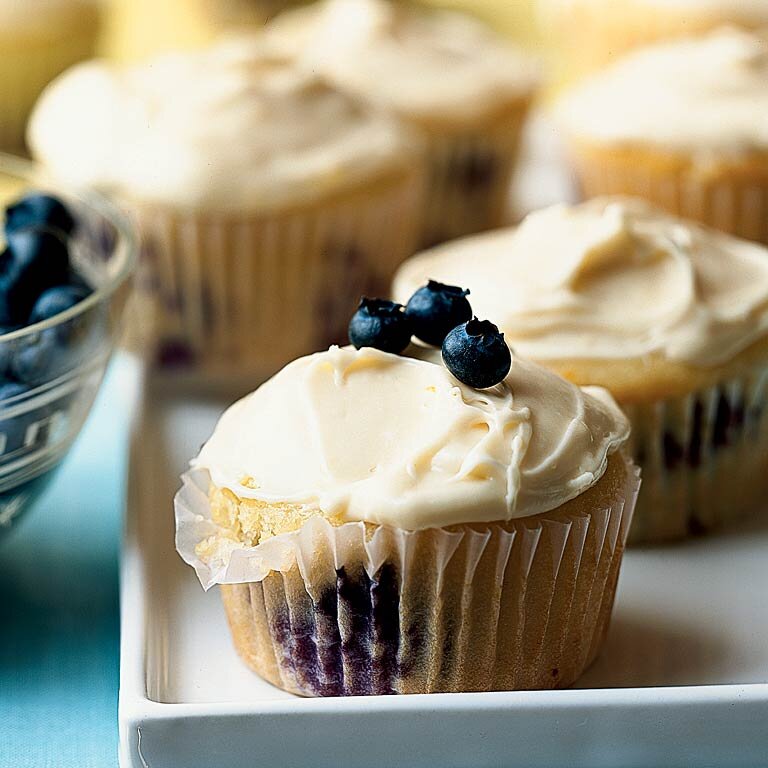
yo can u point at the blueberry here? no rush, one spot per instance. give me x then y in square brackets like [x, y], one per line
[13, 429]
[6, 355]
[36, 361]
[381, 324]
[436, 309]
[6, 351]
[56, 300]
[38, 211]
[476, 354]
[76, 280]
[175, 353]
[34, 261]
[9, 389]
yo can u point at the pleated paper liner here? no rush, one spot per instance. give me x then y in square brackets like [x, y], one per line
[362, 609]
[729, 195]
[225, 296]
[470, 175]
[704, 458]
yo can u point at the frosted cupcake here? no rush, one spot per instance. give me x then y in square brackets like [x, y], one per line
[262, 192]
[464, 88]
[425, 536]
[587, 35]
[39, 40]
[683, 124]
[672, 318]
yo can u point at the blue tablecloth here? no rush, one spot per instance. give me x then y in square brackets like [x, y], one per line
[59, 618]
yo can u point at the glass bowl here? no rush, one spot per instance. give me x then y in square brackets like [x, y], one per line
[64, 358]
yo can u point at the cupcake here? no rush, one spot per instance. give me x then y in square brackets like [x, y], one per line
[669, 316]
[683, 124]
[587, 35]
[268, 199]
[460, 85]
[40, 39]
[378, 527]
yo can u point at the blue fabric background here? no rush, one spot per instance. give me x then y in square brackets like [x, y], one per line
[59, 619]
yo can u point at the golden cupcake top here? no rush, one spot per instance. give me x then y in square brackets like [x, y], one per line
[611, 278]
[367, 435]
[701, 95]
[226, 128]
[424, 64]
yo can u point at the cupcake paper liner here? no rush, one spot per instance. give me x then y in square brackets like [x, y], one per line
[469, 178]
[704, 458]
[362, 609]
[733, 200]
[223, 296]
[27, 68]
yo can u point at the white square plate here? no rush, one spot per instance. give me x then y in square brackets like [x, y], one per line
[681, 681]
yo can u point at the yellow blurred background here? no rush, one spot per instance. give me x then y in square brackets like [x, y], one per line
[137, 28]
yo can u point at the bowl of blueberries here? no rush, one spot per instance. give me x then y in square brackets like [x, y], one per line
[66, 260]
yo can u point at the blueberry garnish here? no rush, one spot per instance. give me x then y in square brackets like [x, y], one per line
[381, 324]
[35, 260]
[476, 354]
[38, 211]
[436, 309]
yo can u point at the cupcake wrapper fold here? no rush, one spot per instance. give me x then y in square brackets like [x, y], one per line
[469, 178]
[224, 296]
[359, 609]
[734, 202]
[704, 458]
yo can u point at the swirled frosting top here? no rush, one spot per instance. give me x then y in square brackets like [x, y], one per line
[423, 64]
[371, 436]
[610, 278]
[699, 94]
[226, 128]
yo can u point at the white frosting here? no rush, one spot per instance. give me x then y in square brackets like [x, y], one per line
[700, 95]
[225, 128]
[421, 64]
[611, 278]
[370, 436]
